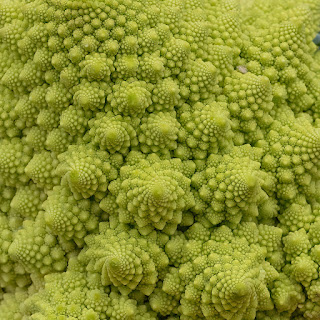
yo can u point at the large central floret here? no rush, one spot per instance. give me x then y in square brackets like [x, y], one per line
[153, 193]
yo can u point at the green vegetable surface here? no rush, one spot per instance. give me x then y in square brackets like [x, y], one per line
[159, 160]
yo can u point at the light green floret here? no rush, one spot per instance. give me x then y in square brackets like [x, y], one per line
[36, 138]
[36, 249]
[11, 80]
[96, 67]
[162, 303]
[11, 304]
[303, 269]
[292, 154]
[282, 55]
[69, 218]
[90, 95]
[41, 170]
[311, 308]
[287, 294]
[87, 171]
[176, 52]
[12, 274]
[69, 76]
[124, 259]
[30, 76]
[75, 119]
[199, 80]
[154, 194]
[222, 58]
[151, 67]
[75, 294]
[131, 98]
[296, 217]
[27, 202]
[58, 140]
[14, 157]
[314, 232]
[158, 133]
[6, 195]
[207, 127]
[58, 97]
[270, 238]
[232, 187]
[10, 125]
[59, 60]
[113, 133]
[165, 95]
[221, 280]
[126, 66]
[42, 58]
[7, 59]
[248, 231]
[48, 119]
[296, 243]
[38, 96]
[250, 103]
[27, 111]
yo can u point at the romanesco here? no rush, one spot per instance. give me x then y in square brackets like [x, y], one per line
[159, 159]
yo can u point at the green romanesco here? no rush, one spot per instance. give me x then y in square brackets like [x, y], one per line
[159, 159]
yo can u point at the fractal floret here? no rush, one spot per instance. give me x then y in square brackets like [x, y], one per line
[159, 160]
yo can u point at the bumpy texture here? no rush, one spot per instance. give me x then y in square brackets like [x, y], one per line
[153, 193]
[159, 160]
